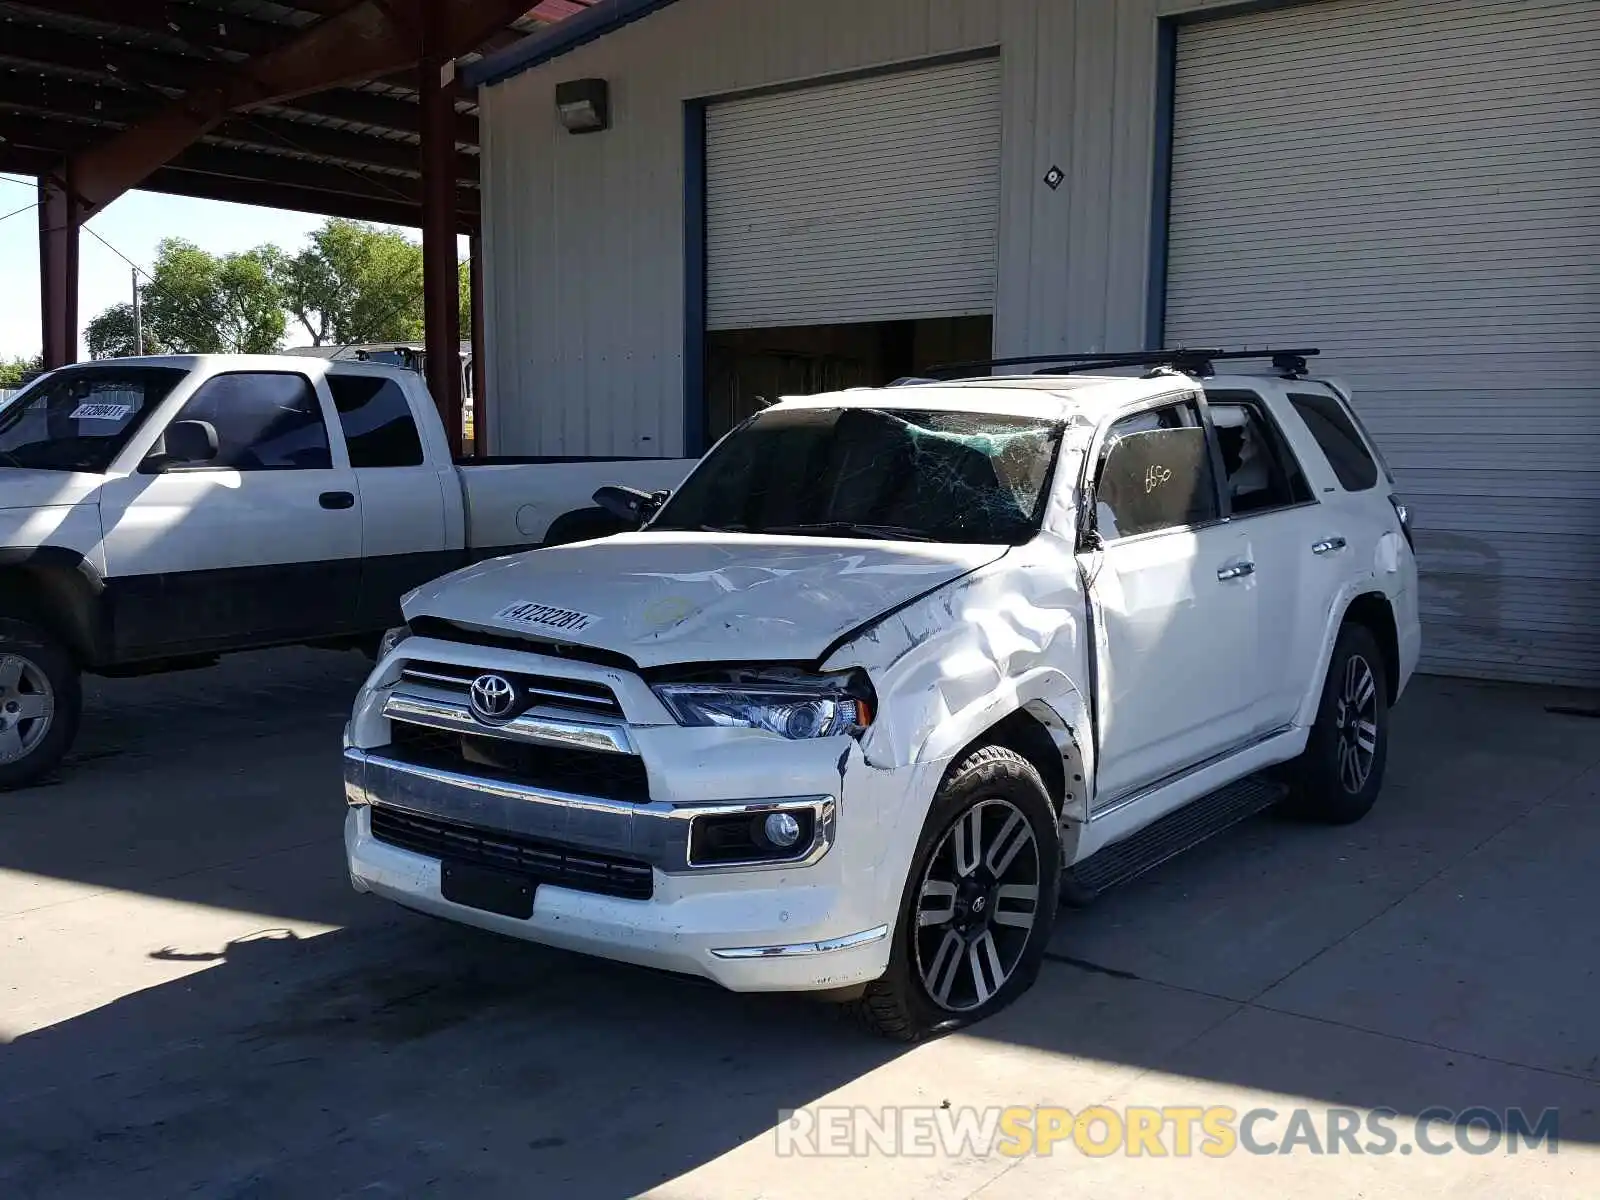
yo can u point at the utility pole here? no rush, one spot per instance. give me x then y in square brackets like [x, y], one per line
[138, 316]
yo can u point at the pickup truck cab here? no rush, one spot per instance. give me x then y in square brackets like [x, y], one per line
[155, 512]
[889, 672]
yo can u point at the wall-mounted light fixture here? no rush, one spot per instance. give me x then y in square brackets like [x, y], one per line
[584, 105]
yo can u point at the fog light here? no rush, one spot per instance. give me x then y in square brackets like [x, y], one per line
[782, 830]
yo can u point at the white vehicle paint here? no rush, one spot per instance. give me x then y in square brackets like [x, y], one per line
[158, 511]
[592, 727]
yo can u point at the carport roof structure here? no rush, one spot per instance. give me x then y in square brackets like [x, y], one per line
[343, 107]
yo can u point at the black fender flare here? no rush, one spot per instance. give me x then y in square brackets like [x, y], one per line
[61, 591]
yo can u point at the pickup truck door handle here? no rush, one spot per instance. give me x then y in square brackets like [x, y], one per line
[1236, 571]
[1328, 545]
[336, 500]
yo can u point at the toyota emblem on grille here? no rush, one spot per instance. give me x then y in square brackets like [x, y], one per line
[493, 697]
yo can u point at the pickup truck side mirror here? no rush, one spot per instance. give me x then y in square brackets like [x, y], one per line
[184, 444]
[629, 504]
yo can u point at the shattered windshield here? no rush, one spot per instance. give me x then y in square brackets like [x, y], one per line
[77, 419]
[895, 474]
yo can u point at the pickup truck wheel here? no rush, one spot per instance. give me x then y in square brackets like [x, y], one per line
[40, 701]
[979, 903]
[1338, 777]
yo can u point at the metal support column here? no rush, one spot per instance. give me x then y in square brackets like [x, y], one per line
[441, 279]
[480, 371]
[60, 218]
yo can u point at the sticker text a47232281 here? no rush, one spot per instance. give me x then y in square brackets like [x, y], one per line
[545, 616]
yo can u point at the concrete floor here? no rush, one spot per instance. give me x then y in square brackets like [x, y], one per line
[193, 1001]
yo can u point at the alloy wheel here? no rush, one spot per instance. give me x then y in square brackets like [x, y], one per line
[27, 707]
[976, 905]
[1356, 721]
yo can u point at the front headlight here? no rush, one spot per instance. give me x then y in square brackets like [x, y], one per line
[797, 709]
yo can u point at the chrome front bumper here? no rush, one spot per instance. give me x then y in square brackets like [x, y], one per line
[654, 833]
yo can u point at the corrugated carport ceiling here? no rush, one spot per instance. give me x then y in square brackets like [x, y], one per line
[75, 72]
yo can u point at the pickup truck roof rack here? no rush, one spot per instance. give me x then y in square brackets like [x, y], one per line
[1198, 363]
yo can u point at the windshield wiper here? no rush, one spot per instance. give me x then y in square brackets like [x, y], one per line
[893, 533]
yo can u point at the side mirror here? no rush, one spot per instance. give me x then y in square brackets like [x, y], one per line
[629, 504]
[184, 444]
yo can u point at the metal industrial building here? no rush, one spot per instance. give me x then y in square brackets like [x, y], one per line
[795, 194]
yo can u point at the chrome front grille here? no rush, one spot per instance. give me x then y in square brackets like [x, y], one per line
[543, 691]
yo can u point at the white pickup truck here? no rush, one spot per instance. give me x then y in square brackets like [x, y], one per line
[891, 670]
[155, 512]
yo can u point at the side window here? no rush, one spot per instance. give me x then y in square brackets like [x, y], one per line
[1155, 473]
[1260, 472]
[379, 429]
[1336, 434]
[264, 421]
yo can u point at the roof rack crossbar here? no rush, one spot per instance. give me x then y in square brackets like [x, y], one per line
[1193, 362]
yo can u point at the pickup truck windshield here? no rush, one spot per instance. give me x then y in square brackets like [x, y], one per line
[77, 419]
[891, 474]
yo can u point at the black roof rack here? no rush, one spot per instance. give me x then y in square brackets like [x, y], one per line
[1198, 363]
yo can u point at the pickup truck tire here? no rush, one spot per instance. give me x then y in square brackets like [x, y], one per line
[979, 902]
[1338, 777]
[41, 698]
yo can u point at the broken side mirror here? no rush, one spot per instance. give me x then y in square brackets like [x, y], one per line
[629, 504]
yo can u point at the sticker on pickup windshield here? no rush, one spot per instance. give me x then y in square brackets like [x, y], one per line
[543, 616]
[101, 412]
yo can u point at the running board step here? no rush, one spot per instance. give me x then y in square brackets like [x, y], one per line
[1169, 837]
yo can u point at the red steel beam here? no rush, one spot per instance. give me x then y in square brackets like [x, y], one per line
[60, 219]
[441, 276]
[371, 39]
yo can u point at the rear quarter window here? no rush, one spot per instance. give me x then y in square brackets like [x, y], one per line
[1340, 440]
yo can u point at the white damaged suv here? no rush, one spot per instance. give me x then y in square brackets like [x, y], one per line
[892, 670]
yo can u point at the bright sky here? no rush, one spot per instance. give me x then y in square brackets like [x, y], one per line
[133, 224]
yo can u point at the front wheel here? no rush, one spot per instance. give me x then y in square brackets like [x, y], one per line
[40, 701]
[979, 903]
[1338, 777]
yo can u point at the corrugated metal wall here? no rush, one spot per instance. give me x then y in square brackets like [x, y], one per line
[1437, 234]
[584, 235]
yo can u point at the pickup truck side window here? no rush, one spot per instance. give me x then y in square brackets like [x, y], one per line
[1336, 434]
[1155, 474]
[265, 421]
[1260, 471]
[379, 429]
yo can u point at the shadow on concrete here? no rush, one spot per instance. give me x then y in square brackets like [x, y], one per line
[1441, 954]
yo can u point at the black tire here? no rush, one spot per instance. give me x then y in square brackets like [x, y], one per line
[1339, 775]
[47, 659]
[1000, 783]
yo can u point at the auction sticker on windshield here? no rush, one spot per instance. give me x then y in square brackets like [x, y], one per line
[101, 412]
[544, 616]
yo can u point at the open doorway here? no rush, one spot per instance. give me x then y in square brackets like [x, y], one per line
[747, 369]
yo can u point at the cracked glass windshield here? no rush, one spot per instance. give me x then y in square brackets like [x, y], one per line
[77, 419]
[891, 474]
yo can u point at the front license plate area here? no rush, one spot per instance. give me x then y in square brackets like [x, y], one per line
[488, 891]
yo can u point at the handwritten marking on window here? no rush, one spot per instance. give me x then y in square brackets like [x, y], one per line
[1155, 476]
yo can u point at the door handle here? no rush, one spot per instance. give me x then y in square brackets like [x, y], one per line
[1237, 571]
[337, 500]
[1328, 545]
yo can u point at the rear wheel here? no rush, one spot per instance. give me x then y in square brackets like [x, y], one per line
[1338, 777]
[979, 903]
[40, 702]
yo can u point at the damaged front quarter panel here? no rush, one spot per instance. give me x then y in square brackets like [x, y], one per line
[957, 661]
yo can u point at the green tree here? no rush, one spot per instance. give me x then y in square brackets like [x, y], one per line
[14, 370]
[464, 286]
[355, 283]
[199, 303]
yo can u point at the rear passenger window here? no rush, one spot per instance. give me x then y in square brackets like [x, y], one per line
[1155, 473]
[1337, 435]
[1260, 472]
[378, 426]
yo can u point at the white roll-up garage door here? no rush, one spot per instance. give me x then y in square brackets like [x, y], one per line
[1415, 187]
[874, 199]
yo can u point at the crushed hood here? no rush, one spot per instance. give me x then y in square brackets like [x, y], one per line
[21, 487]
[662, 598]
